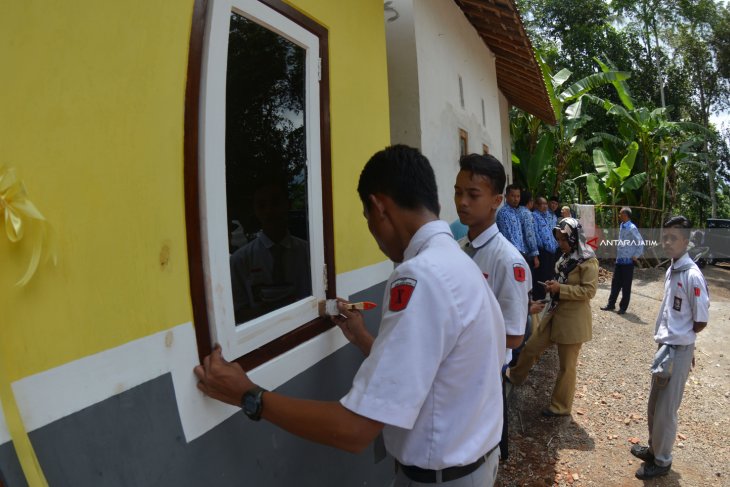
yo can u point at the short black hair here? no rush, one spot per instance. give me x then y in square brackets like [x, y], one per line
[626, 210]
[403, 174]
[511, 187]
[555, 198]
[681, 222]
[525, 197]
[488, 166]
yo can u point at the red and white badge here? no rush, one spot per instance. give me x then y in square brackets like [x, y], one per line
[401, 291]
[697, 292]
[519, 272]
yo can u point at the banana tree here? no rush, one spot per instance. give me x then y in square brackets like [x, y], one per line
[538, 146]
[613, 183]
[660, 141]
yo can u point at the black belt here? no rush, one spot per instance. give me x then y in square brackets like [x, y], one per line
[426, 476]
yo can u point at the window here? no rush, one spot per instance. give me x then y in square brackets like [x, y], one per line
[258, 197]
[463, 142]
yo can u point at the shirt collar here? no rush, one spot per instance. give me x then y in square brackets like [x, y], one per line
[268, 243]
[484, 237]
[423, 235]
[682, 263]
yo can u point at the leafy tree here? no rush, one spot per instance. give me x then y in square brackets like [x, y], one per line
[678, 53]
[537, 146]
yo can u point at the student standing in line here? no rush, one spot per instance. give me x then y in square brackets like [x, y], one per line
[684, 312]
[554, 205]
[510, 224]
[431, 379]
[528, 230]
[477, 196]
[545, 221]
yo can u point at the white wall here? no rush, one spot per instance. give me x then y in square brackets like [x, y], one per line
[405, 126]
[506, 155]
[448, 46]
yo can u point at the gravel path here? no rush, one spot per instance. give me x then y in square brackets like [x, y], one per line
[609, 412]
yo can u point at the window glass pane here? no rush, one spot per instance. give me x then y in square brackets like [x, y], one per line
[266, 178]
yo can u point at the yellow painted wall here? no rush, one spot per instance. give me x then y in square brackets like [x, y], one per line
[359, 114]
[92, 97]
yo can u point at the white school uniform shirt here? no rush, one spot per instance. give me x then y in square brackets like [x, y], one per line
[686, 300]
[507, 274]
[433, 374]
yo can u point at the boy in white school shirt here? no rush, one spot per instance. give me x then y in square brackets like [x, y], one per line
[684, 312]
[477, 196]
[431, 378]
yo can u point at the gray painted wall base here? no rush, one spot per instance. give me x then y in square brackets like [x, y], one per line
[11, 473]
[135, 440]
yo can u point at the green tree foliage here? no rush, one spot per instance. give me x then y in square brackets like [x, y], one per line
[678, 53]
[537, 147]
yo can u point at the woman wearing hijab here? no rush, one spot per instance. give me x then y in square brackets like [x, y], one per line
[568, 320]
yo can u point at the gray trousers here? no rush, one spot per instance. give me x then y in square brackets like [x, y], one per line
[484, 476]
[664, 400]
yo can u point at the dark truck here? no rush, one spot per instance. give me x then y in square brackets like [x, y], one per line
[717, 239]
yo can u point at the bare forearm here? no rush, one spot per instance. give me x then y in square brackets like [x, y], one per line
[698, 326]
[365, 344]
[328, 423]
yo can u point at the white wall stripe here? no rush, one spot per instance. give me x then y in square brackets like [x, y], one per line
[56, 393]
[349, 283]
[51, 395]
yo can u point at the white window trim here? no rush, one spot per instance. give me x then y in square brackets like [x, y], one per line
[241, 339]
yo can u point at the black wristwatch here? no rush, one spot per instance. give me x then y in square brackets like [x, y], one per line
[252, 402]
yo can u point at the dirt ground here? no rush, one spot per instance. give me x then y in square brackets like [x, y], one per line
[609, 413]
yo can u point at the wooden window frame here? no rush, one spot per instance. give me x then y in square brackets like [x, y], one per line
[463, 136]
[199, 299]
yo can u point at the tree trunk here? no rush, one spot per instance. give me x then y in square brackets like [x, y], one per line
[705, 111]
[660, 78]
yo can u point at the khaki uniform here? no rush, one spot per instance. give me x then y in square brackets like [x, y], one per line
[569, 325]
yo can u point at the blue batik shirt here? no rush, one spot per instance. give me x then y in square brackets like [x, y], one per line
[508, 222]
[458, 229]
[528, 231]
[544, 224]
[631, 243]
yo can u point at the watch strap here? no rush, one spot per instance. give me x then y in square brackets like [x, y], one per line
[252, 402]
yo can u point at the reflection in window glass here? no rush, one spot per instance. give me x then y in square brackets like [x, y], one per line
[266, 179]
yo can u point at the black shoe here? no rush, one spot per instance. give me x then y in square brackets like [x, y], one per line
[608, 308]
[642, 452]
[621, 312]
[548, 413]
[649, 470]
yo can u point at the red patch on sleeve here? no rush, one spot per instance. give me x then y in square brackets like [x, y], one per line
[697, 292]
[401, 291]
[519, 272]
